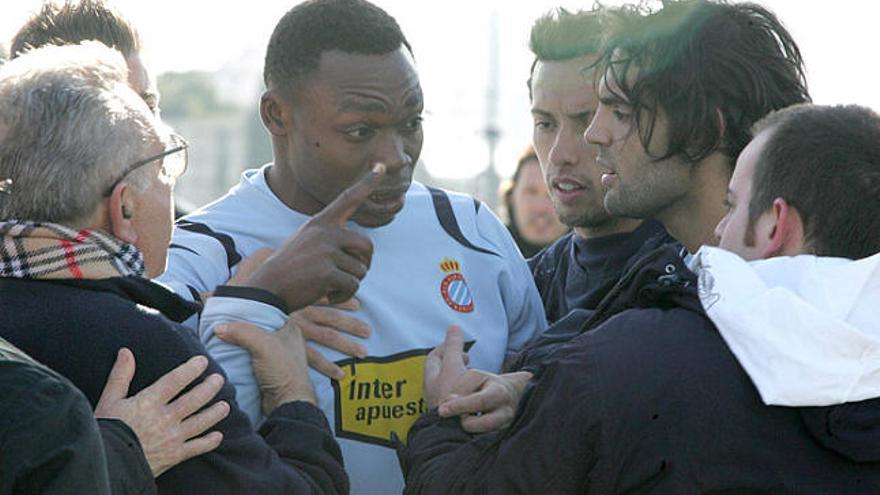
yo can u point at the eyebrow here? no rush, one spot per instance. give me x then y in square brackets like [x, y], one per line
[414, 100]
[361, 104]
[582, 115]
[368, 104]
[612, 100]
[542, 113]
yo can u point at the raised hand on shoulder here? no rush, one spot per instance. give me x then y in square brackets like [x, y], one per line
[168, 428]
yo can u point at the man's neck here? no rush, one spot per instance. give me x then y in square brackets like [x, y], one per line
[613, 226]
[692, 220]
[285, 187]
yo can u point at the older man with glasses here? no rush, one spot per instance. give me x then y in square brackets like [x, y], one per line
[85, 218]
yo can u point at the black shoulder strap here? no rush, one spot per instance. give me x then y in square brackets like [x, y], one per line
[232, 256]
[443, 209]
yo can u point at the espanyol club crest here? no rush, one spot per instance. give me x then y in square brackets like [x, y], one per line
[454, 289]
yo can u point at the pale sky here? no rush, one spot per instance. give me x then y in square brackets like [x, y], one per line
[451, 42]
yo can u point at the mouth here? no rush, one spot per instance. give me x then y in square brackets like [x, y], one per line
[387, 196]
[567, 189]
[567, 185]
[609, 176]
[387, 201]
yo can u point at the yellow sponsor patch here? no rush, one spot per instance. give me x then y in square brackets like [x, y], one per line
[380, 395]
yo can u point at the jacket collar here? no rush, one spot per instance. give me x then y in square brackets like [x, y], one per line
[140, 291]
[659, 279]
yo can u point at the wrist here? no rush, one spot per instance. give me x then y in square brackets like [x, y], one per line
[294, 391]
[263, 279]
[519, 379]
[296, 396]
[253, 294]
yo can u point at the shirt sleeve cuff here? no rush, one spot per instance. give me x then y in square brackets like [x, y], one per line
[254, 294]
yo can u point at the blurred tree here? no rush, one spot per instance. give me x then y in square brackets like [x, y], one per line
[191, 95]
[259, 146]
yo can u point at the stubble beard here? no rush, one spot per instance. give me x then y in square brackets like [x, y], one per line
[590, 218]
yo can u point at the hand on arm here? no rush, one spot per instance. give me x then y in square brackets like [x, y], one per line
[279, 361]
[327, 326]
[445, 367]
[167, 430]
[485, 401]
[323, 259]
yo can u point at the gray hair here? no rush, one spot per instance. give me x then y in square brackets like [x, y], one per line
[69, 126]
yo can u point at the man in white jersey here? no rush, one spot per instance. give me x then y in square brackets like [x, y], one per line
[343, 95]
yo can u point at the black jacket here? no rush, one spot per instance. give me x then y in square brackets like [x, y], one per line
[575, 273]
[77, 328]
[572, 290]
[49, 441]
[650, 401]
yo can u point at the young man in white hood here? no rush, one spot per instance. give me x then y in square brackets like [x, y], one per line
[805, 198]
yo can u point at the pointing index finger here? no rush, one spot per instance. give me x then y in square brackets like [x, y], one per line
[349, 200]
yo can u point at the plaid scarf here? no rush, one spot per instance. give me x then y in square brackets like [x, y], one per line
[39, 250]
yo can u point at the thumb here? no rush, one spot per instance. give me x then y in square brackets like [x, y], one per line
[343, 207]
[249, 265]
[120, 377]
[452, 353]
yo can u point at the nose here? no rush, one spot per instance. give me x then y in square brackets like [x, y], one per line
[564, 149]
[597, 132]
[393, 153]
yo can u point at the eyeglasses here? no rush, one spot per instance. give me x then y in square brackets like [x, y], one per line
[175, 159]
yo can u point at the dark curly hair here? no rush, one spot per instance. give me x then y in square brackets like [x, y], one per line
[714, 68]
[316, 26]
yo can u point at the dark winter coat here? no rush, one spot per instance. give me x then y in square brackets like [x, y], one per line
[77, 327]
[650, 401]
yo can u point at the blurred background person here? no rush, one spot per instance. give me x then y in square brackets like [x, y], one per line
[531, 219]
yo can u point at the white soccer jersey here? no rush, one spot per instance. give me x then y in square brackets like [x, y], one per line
[445, 259]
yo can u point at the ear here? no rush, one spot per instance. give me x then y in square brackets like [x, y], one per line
[787, 235]
[271, 112]
[122, 212]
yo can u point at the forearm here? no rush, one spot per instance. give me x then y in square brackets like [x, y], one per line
[549, 448]
[440, 457]
[299, 432]
[235, 360]
[294, 452]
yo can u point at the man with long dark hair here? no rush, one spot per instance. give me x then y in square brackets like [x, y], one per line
[676, 383]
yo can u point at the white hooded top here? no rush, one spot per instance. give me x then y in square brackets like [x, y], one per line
[806, 329]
